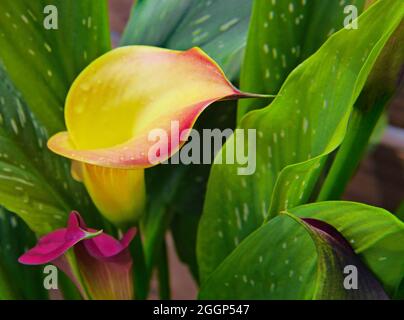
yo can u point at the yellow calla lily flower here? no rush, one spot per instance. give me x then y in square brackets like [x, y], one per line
[116, 102]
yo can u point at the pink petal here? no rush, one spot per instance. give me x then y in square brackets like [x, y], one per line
[106, 247]
[56, 243]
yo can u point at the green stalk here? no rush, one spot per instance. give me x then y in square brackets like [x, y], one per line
[141, 276]
[361, 125]
[74, 269]
[68, 288]
[7, 291]
[156, 237]
[163, 274]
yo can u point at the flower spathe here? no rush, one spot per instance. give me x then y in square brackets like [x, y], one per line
[116, 102]
[104, 263]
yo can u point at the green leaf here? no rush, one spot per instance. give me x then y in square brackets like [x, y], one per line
[296, 132]
[290, 259]
[282, 34]
[30, 175]
[43, 63]
[259, 268]
[39, 66]
[400, 211]
[376, 235]
[25, 282]
[380, 88]
[218, 27]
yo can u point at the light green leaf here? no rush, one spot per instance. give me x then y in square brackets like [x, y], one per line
[218, 27]
[376, 235]
[380, 87]
[282, 34]
[290, 259]
[259, 268]
[296, 132]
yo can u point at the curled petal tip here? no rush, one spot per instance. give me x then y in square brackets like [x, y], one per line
[75, 220]
[246, 95]
[89, 235]
[128, 237]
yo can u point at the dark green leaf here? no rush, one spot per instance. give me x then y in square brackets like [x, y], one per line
[43, 63]
[25, 282]
[218, 27]
[400, 211]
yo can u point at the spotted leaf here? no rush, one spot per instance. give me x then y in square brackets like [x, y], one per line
[218, 27]
[376, 235]
[305, 122]
[35, 183]
[283, 34]
[39, 66]
[45, 44]
[290, 258]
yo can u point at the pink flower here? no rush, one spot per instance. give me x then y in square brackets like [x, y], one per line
[102, 266]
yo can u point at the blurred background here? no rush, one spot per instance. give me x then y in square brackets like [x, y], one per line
[379, 181]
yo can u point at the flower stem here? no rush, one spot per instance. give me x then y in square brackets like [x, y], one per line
[163, 274]
[140, 273]
[6, 289]
[73, 269]
[362, 123]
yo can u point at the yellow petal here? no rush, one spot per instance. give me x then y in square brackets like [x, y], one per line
[122, 96]
[119, 194]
